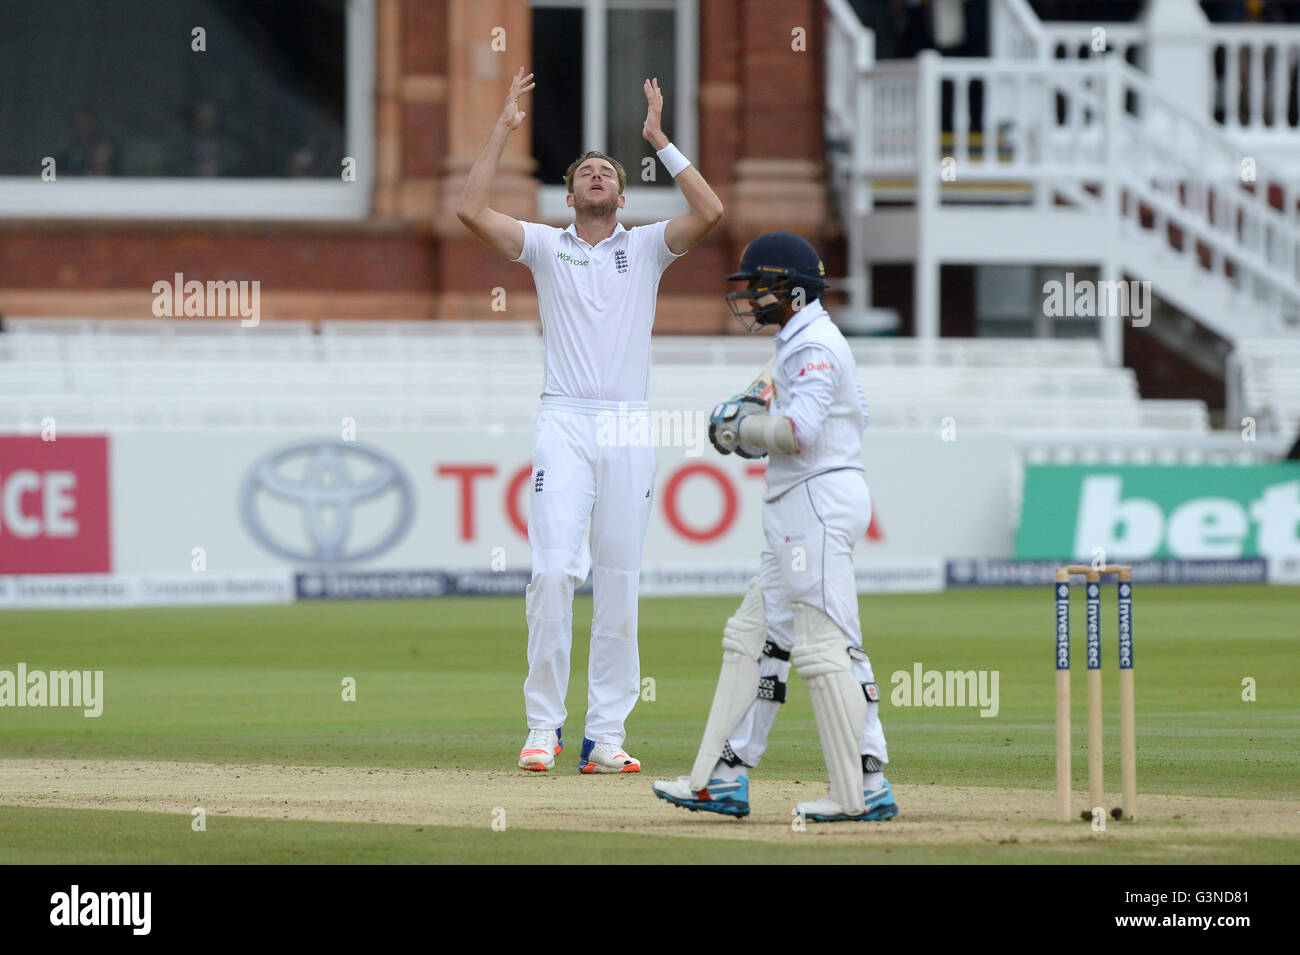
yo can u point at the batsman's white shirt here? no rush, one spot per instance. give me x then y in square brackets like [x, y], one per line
[597, 306]
[816, 385]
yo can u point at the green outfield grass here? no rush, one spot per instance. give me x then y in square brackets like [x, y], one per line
[439, 685]
[99, 837]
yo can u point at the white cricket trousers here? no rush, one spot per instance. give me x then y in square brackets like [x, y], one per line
[809, 533]
[592, 463]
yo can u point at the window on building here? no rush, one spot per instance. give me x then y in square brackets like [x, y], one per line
[590, 58]
[120, 107]
[557, 100]
[640, 44]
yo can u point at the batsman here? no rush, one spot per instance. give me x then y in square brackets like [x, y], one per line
[802, 609]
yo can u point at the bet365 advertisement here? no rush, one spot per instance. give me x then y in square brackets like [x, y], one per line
[1161, 512]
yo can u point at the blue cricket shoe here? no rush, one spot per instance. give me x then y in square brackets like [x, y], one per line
[728, 799]
[880, 806]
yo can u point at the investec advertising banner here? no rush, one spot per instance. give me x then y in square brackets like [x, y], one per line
[1162, 512]
[419, 501]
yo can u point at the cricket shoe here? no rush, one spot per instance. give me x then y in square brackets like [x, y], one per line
[606, 758]
[880, 802]
[720, 796]
[540, 750]
[880, 806]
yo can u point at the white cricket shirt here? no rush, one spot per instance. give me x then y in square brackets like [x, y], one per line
[816, 385]
[597, 305]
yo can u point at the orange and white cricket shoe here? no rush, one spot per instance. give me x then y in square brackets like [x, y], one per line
[606, 758]
[540, 750]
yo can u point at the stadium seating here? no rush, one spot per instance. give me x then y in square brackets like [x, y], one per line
[440, 375]
[1264, 384]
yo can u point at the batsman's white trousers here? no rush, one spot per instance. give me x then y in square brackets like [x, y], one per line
[592, 463]
[809, 534]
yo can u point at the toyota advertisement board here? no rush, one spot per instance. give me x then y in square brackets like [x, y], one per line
[428, 513]
[459, 503]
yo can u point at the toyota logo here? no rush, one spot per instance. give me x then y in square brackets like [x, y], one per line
[326, 502]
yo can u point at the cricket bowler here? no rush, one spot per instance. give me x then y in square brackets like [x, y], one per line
[596, 288]
[802, 609]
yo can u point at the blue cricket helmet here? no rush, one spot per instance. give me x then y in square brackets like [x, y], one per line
[789, 262]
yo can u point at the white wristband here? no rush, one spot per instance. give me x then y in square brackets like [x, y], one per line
[673, 160]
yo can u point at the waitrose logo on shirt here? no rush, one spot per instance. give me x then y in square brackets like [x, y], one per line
[566, 257]
[1158, 512]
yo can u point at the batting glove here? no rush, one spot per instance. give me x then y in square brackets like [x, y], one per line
[724, 425]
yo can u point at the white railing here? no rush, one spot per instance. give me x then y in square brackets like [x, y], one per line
[1188, 172]
[1256, 87]
[850, 54]
[1015, 32]
[1175, 169]
[1065, 40]
[1040, 121]
[1024, 139]
[1093, 134]
[1253, 69]
[889, 147]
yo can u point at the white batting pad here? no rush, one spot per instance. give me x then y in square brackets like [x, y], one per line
[742, 644]
[822, 658]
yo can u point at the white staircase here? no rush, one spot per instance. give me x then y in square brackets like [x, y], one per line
[1082, 159]
[1264, 387]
